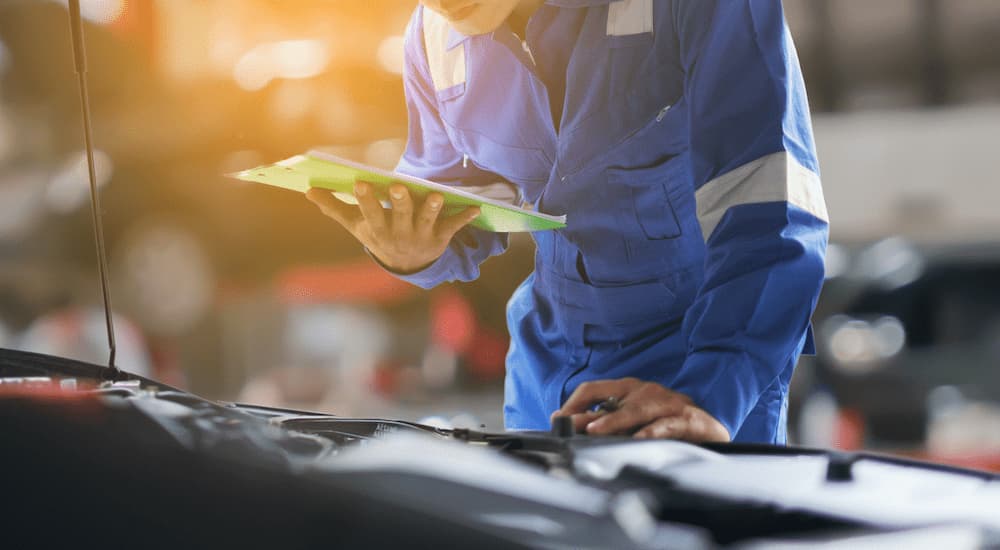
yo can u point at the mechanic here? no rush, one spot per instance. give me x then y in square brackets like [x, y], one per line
[675, 135]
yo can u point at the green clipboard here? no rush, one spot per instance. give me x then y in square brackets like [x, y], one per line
[322, 170]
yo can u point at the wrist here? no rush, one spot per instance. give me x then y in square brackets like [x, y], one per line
[400, 269]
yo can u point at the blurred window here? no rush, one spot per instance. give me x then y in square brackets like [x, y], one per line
[858, 54]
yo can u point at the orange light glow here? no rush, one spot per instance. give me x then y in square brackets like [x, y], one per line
[102, 12]
[390, 54]
[290, 59]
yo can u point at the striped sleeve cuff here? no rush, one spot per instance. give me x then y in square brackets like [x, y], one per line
[427, 278]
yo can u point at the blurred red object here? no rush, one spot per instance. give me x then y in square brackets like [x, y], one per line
[487, 354]
[355, 282]
[69, 402]
[453, 321]
[849, 434]
[980, 461]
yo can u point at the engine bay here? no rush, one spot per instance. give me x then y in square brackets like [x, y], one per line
[116, 460]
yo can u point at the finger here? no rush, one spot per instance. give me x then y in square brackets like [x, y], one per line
[624, 420]
[370, 207]
[701, 427]
[590, 393]
[428, 215]
[332, 207]
[402, 211]
[664, 428]
[636, 413]
[447, 227]
[581, 420]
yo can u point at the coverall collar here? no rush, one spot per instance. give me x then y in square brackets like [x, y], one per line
[578, 3]
[455, 38]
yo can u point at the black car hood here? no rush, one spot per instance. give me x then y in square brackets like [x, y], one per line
[136, 458]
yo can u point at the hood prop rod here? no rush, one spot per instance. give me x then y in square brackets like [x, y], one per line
[80, 58]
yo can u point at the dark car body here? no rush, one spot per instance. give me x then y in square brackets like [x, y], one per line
[92, 461]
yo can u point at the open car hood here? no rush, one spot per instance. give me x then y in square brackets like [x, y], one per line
[136, 460]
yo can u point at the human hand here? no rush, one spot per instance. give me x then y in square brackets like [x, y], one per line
[406, 239]
[645, 409]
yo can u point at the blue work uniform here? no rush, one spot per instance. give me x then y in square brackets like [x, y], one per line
[675, 135]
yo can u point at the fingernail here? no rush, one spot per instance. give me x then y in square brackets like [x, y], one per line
[435, 205]
[360, 189]
[396, 194]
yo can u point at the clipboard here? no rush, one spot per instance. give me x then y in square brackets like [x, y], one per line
[316, 169]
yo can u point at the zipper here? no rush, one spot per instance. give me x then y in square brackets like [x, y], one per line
[659, 118]
[527, 49]
[663, 112]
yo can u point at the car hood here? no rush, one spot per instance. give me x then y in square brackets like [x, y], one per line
[126, 448]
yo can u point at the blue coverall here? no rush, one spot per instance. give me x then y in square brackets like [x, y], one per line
[675, 135]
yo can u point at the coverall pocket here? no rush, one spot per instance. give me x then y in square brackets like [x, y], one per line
[642, 40]
[628, 60]
[649, 208]
[515, 163]
[450, 93]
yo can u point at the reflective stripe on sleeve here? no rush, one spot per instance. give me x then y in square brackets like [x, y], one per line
[775, 178]
[447, 66]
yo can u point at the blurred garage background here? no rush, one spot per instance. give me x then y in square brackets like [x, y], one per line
[241, 292]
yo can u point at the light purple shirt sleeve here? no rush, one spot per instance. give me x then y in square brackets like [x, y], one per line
[430, 155]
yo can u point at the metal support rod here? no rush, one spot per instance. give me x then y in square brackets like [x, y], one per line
[80, 58]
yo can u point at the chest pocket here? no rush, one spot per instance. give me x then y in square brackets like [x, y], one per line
[631, 67]
[631, 74]
[493, 143]
[630, 44]
[521, 165]
[649, 211]
[490, 105]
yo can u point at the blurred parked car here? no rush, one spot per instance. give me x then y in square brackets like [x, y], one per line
[908, 344]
